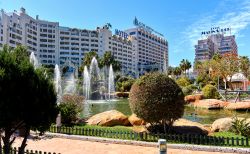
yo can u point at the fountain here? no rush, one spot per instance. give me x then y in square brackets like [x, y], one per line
[70, 84]
[111, 85]
[34, 61]
[98, 84]
[86, 83]
[57, 82]
[58, 88]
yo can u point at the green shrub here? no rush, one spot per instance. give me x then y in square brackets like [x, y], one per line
[210, 91]
[70, 109]
[241, 127]
[157, 99]
[202, 80]
[183, 81]
[124, 83]
[188, 90]
[122, 94]
[127, 84]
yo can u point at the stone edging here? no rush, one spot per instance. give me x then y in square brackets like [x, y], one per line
[153, 144]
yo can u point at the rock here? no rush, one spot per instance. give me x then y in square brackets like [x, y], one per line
[135, 121]
[243, 105]
[140, 129]
[109, 118]
[184, 126]
[210, 104]
[222, 124]
[193, 98]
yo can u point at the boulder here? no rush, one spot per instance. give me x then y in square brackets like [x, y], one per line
[135, 121]
[184, 126]
[139, 129]
[109, 118]
[210, 104]
[222, 124]
[243, 105]
[193, 98]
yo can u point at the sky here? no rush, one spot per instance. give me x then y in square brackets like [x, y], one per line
[180, 21]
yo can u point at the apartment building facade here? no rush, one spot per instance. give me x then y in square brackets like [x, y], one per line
[151, 53]
[140, 51]
[216, 43]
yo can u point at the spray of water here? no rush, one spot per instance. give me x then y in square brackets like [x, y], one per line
[111, 85]
[57, 82]
[70, 84]
[34, 60]
[86, 83]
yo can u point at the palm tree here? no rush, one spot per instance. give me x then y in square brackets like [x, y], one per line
[109, 59]
[170, 70]
[177, 71]
[109, 26]
[185, 65]
[245, 65]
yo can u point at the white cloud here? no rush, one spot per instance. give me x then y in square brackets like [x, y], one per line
[237, 18]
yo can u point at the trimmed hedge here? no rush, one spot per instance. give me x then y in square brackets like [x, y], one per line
[156, 98]
[210, 91]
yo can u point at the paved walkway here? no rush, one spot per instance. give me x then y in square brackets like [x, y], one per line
[69, 146]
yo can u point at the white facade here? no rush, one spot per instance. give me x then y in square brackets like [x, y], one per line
[123, 51]
[40, 37]
[150, 51]
[53, 44]
[73, 43]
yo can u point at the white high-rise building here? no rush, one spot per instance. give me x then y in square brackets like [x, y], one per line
[39, 36]
[151, 53]
[137, 49]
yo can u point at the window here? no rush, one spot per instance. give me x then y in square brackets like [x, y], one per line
[132, 33]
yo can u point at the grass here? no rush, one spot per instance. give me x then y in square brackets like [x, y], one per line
[227, 134]
[114, 128]
[126, 133]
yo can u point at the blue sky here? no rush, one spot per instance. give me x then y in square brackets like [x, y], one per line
[181, 21]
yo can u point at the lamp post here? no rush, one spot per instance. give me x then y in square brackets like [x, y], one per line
[162, 146]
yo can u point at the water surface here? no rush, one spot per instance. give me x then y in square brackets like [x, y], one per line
[203, 116]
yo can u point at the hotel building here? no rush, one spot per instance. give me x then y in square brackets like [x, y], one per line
[150, 51]
[137, 49]
[215, 43]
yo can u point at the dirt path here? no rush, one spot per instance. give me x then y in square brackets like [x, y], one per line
[68, 146]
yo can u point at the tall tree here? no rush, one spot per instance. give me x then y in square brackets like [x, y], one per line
[245, 66]
[87, 59]
[170, 70]
[28, 99]
[177, 71]
[104, 61]
[185, 65]
[108, 59]
[225, 66]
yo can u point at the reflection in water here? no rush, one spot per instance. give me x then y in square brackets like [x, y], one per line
[198, 115]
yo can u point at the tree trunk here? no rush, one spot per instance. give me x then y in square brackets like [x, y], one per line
[23, 145]
[6, 141]
[0, 142]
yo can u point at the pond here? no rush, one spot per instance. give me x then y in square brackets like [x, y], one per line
[203, 116]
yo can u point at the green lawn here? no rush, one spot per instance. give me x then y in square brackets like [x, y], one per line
[227, 134]
[114, 128]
